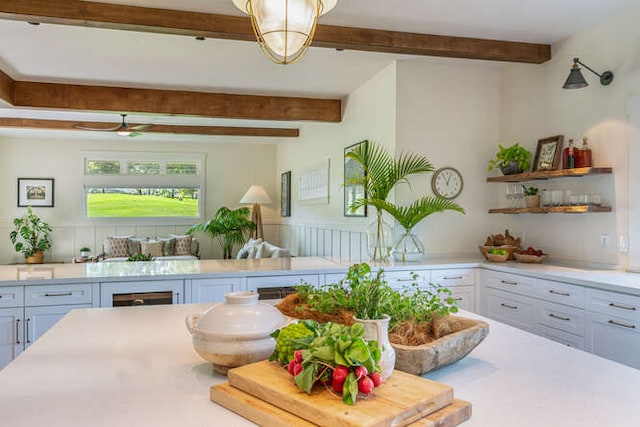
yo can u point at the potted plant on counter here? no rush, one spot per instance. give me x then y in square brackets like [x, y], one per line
[511, 160]
[85, 252]
[31, 236]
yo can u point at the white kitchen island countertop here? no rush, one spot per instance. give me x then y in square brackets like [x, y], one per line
[135, 366]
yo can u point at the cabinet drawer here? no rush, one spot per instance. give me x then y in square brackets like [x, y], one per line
[63, 294]
[404, 279]
[464, 297]
[11, 296]
[561, 293]
[561, 337]
[613, 304]
[253, 283]
[613, 338]
[453, 277]
[330, 278]
[511, 283]
[561, 317]
[515, 310]
[213, 290]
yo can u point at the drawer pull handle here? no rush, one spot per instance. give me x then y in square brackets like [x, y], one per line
[178, 295]
[138, 301]
[559, 317]
[404, 280]
[28, 341]
[512, 307]
[508, 282]
[65, 294]
[624, 325]
[452, 278]
[457, 299]
[559, 293]
[614, 305]
[17, 331]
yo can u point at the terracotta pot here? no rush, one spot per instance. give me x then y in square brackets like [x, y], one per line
[532, 201]
[37, 258]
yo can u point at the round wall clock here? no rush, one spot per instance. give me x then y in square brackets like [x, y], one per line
[447, 183]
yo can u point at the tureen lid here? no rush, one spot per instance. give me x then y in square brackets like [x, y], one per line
[241, 315]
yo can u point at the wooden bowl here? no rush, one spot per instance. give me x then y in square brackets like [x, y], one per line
[530, 259]
[497, 257]
[511, 249]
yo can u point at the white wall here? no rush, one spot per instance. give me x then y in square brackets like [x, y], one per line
[321, 229]
[534, 106]
[232, 165]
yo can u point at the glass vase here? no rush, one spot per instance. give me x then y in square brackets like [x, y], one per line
[379, 239]
[409, 248]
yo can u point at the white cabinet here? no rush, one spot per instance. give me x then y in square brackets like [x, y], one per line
[253, 283]
[613, 326]
[213, 290]
[465, 297]
[38, 320]
[562, 337]
[512, 309]
[11, 331]
[453, 277]
[405, 279]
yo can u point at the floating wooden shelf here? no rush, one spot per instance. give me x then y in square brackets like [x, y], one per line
[553, 209]
[564, 173]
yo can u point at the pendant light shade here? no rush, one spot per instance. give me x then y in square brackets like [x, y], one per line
[576, 80]
[284, 28]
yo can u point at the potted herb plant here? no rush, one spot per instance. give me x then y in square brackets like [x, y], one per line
[531, 196]
[228, 227]
[31, 236]
[85, 252]
[511, 160]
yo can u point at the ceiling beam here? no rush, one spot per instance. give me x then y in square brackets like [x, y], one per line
[173, 129]
[6, 88]
[158, 101]
[164, 21]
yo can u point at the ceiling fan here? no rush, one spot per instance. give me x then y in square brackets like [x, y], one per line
[123, 129]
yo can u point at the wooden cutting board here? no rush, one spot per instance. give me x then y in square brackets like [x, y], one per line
[399, 401]
[267, 415]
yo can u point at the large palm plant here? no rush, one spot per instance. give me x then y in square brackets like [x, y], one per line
[228, 227]
[381, 173]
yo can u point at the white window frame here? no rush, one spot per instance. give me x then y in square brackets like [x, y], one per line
[154, 181]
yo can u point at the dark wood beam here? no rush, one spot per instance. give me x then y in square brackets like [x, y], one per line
[131, 100]
[6, 88]
[163, 21]
[174, 129]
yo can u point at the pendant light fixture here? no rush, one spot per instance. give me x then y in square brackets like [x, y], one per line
[576, 80]
[284, 28]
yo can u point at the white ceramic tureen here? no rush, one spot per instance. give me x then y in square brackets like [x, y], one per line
[236, 332]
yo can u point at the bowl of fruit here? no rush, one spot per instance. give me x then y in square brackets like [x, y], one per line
[497, 255]
[531, 256]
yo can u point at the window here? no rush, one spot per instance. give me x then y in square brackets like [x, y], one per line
[143, 185]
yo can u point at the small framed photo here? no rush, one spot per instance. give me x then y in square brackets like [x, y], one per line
[35, 192]
[353, 191]
[548, 154]
[285, 194]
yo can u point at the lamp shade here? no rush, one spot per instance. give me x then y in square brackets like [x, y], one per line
[575, 80]
[255, 194]
[284, 28]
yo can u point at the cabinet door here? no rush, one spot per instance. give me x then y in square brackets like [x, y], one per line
[510, 282]
[614, 338]
[512, 309]
[453, 277]
[11, 334]
[213, 290]
[38, 320]
[464, 297]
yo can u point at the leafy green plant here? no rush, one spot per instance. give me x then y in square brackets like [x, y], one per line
[140, 257]
[409, 216]
[530, 191]
[228, 227]
[85, 249]
[30, 234]
[514, 153]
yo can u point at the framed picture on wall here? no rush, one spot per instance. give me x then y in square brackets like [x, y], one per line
[285, 194]
[353, 191]
[35, 192]
[548, 154]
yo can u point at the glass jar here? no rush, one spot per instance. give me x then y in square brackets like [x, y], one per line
[379, 239]
[409, 248]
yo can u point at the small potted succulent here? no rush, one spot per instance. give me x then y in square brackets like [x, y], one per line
[511, 160]
[531, 196]
[85, 252]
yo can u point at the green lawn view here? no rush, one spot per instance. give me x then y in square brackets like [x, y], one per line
[130, 205]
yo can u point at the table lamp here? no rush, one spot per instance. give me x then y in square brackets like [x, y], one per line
[256, 195]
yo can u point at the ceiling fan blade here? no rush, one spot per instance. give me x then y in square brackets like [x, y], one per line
[111, 129]
[134, 134]
[140, 128]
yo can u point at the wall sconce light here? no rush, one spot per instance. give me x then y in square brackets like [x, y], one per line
[284, 28]
[576, 79]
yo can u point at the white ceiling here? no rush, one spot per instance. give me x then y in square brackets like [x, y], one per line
[55, 53]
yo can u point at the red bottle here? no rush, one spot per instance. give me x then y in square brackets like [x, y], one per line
[569, 156]
[584, 154]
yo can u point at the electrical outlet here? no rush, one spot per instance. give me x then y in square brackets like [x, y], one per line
[604, 239]
[623, 244]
